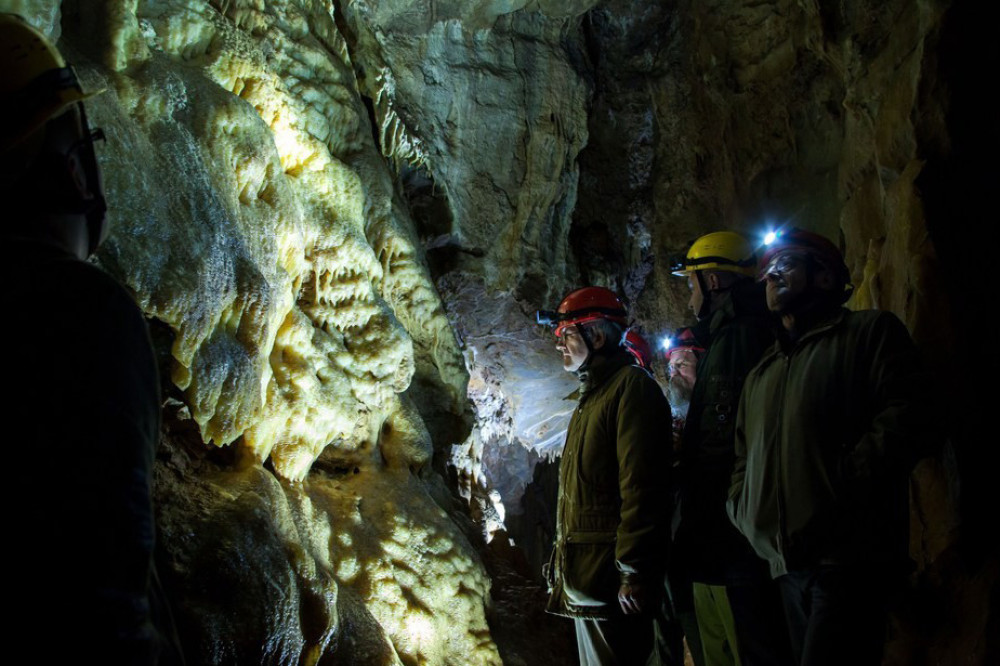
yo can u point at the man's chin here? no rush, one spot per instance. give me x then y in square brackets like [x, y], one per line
[678, 393]
[779, 305]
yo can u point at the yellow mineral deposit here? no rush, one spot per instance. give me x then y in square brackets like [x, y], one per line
[255, 218]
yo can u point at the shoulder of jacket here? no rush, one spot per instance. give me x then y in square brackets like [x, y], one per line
[745, 326]
[631, 374]
[871, 318]
[632, 378]
[771, 353]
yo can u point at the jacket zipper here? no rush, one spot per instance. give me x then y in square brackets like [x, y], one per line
[782, 527]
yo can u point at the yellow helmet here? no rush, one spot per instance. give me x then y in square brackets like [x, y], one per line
[36, 85]
[719, 251]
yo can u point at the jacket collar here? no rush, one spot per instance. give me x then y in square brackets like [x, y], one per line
[784, 344]
[744, 299]
[596, 375]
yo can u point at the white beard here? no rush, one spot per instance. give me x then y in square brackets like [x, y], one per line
[679, 397]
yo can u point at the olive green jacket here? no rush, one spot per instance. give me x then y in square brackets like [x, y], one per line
[611, 525]
[828, 430]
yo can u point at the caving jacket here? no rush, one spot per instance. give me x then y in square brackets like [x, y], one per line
[736, 335]
[87, 399]
[611, 524]
[829, 428]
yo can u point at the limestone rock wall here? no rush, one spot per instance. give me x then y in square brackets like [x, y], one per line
[486, 114]
[354, 566]
[260, 229]
[255, 218]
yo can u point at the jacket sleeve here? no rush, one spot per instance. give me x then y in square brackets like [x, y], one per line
[901, 429]
[643, 441]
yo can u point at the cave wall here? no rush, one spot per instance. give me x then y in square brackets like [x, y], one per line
[340, 217]
[263, 234]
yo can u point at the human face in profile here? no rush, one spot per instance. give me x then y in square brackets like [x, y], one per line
[572, 347]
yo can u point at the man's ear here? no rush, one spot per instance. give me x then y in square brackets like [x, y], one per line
[712, 281]
[823, 278]
[597, 337]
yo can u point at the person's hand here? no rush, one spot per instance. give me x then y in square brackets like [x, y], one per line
[632, 598]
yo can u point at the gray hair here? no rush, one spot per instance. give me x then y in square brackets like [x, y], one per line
[613, 332]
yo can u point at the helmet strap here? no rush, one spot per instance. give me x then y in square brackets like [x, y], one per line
[706, 300]
[67, 183]
[814, 302]
[585, 334]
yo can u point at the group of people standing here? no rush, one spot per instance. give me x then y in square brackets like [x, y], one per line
[766, 518]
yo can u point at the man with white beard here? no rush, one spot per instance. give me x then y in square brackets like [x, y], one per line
[713, 640]
[682, 366]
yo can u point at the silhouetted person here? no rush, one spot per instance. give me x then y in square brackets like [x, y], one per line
[83, 392]
[606, 570]
[712, 634]
[735, 329]
[830, 425]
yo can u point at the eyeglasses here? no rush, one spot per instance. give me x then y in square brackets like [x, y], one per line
[782, 264]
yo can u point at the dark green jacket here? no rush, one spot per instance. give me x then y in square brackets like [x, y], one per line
[707, 546]
[611, 525]
[828, 430]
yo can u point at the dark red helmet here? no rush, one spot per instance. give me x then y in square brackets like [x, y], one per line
[639, 348]
[583, 305]
[810, 244]
[682, 340]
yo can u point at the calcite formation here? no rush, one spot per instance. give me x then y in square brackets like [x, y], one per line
[255, 220]
[357, 566]
[261, 232]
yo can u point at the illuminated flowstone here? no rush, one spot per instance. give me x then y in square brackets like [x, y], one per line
[264, 240]
[254, 217]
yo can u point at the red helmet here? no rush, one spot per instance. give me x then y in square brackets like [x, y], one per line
[583, 305]
[683, 340]
[638, 347]
[808, 243]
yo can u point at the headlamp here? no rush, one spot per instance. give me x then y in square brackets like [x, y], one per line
[548, 317]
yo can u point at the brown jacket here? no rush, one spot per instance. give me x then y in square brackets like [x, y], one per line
[613, 497]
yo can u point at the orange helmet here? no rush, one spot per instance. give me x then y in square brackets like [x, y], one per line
[583, 305]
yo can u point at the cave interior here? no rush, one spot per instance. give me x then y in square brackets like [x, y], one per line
[340, 216]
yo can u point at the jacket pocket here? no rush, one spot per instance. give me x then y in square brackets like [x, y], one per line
[590, 577]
